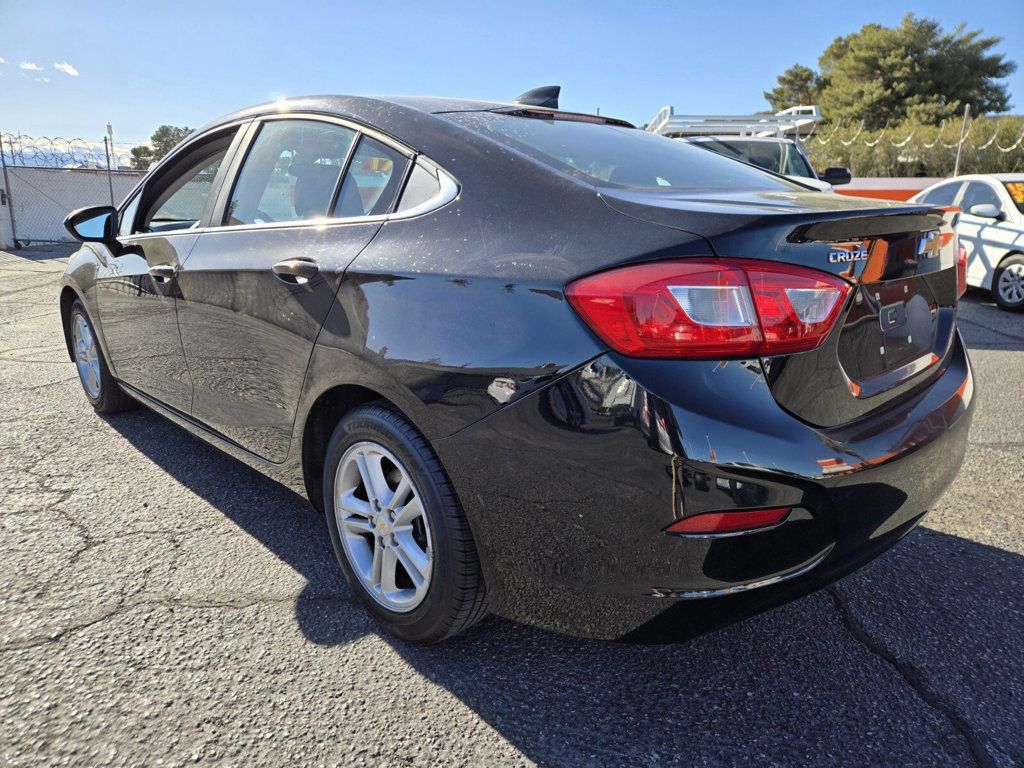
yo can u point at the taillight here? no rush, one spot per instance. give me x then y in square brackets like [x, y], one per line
[693, 308]
[961, 270]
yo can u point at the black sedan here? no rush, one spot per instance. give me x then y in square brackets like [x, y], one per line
[533, 362]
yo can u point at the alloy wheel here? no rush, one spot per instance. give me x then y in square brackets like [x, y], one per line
[383, 526]
[87, 357]
[1011, 284]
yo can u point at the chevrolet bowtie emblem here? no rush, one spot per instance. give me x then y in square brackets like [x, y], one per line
[929, 245]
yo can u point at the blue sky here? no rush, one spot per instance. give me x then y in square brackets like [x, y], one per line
[140, 64]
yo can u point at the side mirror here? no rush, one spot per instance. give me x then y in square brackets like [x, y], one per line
[836, 176]
[96, 224]
[985, 211]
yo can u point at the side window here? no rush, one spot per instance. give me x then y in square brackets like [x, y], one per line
[126, 223]
[372, 181]
[942, 195]
[977, 193]
[290, 173]
[422, 186]
[181, 196]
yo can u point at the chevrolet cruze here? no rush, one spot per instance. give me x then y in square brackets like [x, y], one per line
[535, 363]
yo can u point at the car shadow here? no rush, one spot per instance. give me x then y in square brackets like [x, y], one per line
[922, 646]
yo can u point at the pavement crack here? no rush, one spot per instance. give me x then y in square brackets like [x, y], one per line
[124, 607]
[914, 678]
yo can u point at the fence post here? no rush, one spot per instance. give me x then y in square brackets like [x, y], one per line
[960, 144]
[13, 241]
[110, 179]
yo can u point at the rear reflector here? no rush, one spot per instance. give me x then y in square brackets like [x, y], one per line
[692, 308]
[729, 522]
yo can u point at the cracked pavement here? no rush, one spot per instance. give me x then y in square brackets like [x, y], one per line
[163, 604]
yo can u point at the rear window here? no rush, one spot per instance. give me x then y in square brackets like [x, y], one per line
[611, 154]
[944, 194]
[776, 156]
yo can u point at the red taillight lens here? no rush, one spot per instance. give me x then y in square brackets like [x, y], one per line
[710, 523]
[709, 307]
[961, 270]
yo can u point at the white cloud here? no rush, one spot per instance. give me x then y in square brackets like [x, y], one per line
[3, 60]
[66, 68]
[28, 65]
[42, 79]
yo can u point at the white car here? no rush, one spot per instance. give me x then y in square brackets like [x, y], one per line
[991, 228]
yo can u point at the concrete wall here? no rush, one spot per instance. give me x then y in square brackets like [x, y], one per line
[40, 198]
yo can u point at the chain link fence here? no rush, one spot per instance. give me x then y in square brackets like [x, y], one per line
[46, 178]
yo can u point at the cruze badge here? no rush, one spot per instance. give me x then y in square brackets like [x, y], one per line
[846, 252]
[929, 245]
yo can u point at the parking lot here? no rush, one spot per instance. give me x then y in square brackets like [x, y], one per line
[163, 604]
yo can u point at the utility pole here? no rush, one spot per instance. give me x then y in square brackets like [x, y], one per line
[963, 135]
[110, 180]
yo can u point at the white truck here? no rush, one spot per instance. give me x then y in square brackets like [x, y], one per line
[768, 141]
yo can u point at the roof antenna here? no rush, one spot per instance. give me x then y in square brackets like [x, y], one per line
[545, 96]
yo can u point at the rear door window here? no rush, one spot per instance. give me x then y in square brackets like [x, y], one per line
[372, 181]
[291, 172]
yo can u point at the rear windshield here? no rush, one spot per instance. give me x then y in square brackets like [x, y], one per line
[777, 156]
[1016, 190]
[610, 154]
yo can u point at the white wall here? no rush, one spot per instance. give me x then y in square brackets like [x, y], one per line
[42, 197]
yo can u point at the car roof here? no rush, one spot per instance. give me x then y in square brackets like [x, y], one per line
[380, 111]
[1003, 177]
[755, 139]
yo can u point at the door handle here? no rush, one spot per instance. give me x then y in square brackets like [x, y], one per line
[162, 273]
[296, 271]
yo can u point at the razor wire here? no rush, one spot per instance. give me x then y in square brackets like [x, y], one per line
[885, 137]
[19, 150]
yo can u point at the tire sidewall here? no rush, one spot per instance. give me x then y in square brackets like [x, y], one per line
[78, 310]
[1008, 261]
[426, 619]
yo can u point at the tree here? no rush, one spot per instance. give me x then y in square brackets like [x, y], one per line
[914, 71]
[797, 85]
[164, 139]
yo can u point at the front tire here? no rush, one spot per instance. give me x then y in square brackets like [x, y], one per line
[100, 387]
[399, 533]
[1008, 283]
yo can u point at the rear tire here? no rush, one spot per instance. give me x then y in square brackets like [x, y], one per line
[100, 387]
[1008, 283]
[400, 535]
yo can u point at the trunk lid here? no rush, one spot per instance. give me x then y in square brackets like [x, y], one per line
[898, 327]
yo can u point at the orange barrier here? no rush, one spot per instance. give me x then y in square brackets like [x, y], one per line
[886, 188]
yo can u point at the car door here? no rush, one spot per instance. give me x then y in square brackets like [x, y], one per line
[306, 196]
[986, 239]
[136, 288]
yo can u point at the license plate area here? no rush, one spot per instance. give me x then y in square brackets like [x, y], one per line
[894, 331]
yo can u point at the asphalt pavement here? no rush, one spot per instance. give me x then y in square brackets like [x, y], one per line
[164, 604]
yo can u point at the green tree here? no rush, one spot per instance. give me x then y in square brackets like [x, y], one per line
[915, 71]
[797, 85]
[164, 139]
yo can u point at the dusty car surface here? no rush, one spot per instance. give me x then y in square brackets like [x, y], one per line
[533, 362]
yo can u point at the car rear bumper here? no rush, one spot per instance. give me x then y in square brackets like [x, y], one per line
[569, 491]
